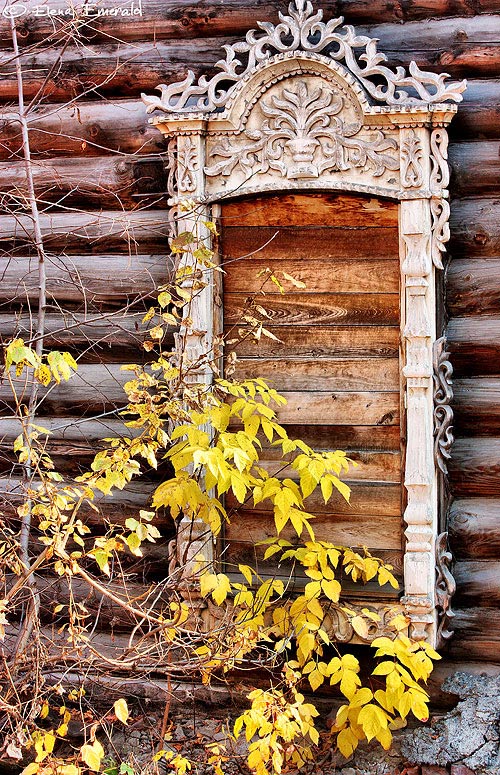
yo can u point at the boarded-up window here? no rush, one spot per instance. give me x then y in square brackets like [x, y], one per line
[338, 360]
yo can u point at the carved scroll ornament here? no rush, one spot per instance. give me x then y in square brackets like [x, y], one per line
[445, 589]
[443, 413]
[304, 30]
[301, 136]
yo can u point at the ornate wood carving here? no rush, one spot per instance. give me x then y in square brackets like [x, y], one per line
[304, 30]
[443, 413]
[310, 105]
[302, 136]
[445, 589]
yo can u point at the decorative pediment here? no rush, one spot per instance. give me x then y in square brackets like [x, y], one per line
[303, 30]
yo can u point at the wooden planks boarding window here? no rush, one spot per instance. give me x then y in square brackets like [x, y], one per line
[337, 362]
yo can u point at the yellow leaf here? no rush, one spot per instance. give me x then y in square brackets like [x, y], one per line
[92, 755]
[222, 589]
[331, 589]
[315, 679]
[121, 710]
[31, 769]
[347, 742]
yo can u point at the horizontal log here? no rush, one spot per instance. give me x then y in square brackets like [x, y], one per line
[380, 374]
[114, 509]
[103, 183]
[90, 128]
[313, 209]
[473, 528]
[371, 466]
[464, 46]
[76, 232]
[353, 438]
[358, 408]
[475, 467]
[466, 159]
[103, 280]
[352, 276]
[473, 287]
[186, 18]
[366, 499]
[374, 531]
[477, 583]
[105, 337]
[475, 228]
[334, 341]
[262, 244]
[477, 634]
[474, 344]
[83, 129]
[317, 309]
[477, 406]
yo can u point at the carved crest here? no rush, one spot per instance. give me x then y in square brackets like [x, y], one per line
[303, 30]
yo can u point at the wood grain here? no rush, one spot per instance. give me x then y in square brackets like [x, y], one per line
[475, 228]
[473, 287]
[474, 344]
[477, 406]
[474, 529]
[477, 583]
[475, 467]
[335, 341]
[362, 408]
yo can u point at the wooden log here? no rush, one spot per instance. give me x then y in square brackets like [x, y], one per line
[352, 276]
[77, 232]
[334, 341]
[464, 46]
[466, 159]
[473, 528]
[475, 467]
[311, 309]
[477, 634]
[474, 344]
[113, 509]
[360, 408]
[473, 287]
[371, 466]
[261, 244]
[100, 280]
[381, 374]
[353, 438]
[313, 209]
[90, 128]
[82, 129]
[479, 114]
[475, 228]
[186, 18]
[477, 583]
[106, 182]
[477, 406]
[105, 337]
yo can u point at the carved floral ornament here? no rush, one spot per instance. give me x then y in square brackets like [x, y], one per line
[311, 105]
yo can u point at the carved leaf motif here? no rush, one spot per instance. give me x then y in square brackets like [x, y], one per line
[303, 30]
[443, 413]
[303, 136]
[411, 157]
[445, 589]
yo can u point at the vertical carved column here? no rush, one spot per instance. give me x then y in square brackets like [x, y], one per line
[194, 342]
[418, 336]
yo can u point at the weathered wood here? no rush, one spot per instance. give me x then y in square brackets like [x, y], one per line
[477, 583]
[118, 182]
[334, 341]
[105, 337]
[353, 276]
[82, 129]
[186, 18]
[274, 243]
[475, 467]
[366, 500]
[89, 128]
[114, 509]
[106, 231]
[463, 46]
[473, 287]
[474, 529]
[466, 160]
[311, 309]
[376, 531]
[359, 408]
[475, 228]
[103, 280]
[371, 466]
[347, 437]
[474, 344]
[381, 374]
[477, 406]
[477, 634]
[313, 209]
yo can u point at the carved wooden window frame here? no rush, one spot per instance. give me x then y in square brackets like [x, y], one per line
[378, 131]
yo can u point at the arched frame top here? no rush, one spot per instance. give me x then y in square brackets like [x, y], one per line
[310, 106]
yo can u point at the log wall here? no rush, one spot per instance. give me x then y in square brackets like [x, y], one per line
[93, 150]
